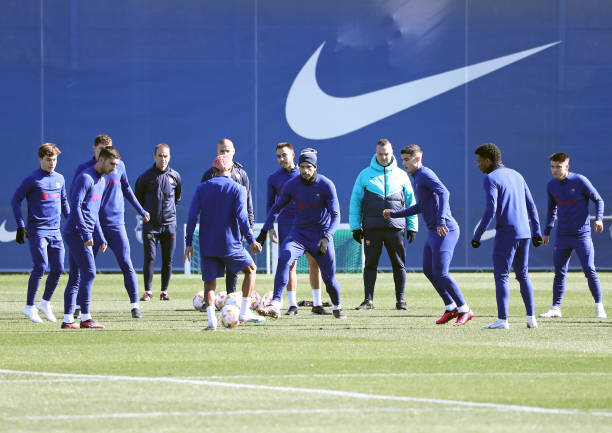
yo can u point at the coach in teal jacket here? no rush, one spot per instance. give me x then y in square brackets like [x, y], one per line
[380, 186]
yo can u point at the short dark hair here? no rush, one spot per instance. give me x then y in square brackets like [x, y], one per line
[161, 146]
[383, 142]
[284, 144]
[48, 149]
[411, 150]
[559, 157]
[109, 152]
[489, 151]
[103, 139]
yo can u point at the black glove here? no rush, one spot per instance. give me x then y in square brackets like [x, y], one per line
[262, 237]
[322, 246]
[358, 235]
[475, 243]
[22, 233]
[537, 241]
[410, 234]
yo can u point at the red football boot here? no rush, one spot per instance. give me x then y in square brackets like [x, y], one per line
[464, 318]
[70, 325]
[91, 324]
[447, 317]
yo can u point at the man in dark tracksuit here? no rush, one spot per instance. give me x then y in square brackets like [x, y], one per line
[239, 175]
[159, 190]
[381, 186]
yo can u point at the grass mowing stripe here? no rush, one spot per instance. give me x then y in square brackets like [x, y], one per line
[212, 413]
[348, 394]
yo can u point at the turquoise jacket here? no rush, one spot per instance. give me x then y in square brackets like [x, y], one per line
[378, 188]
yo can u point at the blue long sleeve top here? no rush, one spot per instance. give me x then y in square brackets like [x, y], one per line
[276, 181]
[433, 200]
[118, 187]
[509, 200]
[46, 197]
[317, 210]
[85, 199]
[568, 202]
[221, 206]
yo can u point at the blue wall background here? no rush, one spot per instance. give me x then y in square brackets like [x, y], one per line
[189, 72]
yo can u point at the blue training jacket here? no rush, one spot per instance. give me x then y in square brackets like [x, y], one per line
[221, 206]
[509, 200]
[378, 188]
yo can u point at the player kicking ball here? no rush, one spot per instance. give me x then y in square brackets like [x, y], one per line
[221, 206]
[316, 219]
[568, 200]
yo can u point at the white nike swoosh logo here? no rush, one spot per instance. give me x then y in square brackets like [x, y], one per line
[488, 234]
[5, 235]
[314, 114]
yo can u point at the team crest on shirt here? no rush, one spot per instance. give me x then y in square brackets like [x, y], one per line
[150, 235]
[573, 189]
[318, 195]
[367, 242]
[237, 177]
[57, 184]
[171, 180]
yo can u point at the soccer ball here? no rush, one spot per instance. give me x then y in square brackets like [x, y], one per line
[198, 300]
[220, 300]
[229, 316]
[233, 299]
[266, 299]
[255, 300]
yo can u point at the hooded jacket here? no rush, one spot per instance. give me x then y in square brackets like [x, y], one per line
[378, 188]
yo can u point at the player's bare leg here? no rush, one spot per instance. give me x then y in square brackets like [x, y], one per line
[248, 285]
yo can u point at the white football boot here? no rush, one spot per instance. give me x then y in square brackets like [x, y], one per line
[498, 324]
[251, 318]
[600, 312]
[32, 313]
[532, 322]
[45, 307]
[553, 312]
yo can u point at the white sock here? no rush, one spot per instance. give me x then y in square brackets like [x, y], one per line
[43, 303]
[244, 306]
[599, 304]
[463, 309]
[337, 307]
[29, 307]
[292, 295]
[68, 318]
[212, 319]
[164, 291]
[316, 297]
[85, 316]
[275, 304]
[149, 292]
[134, 305]
[450, 307]
[77, 307]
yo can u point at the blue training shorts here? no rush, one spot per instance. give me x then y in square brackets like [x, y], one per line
[214, 267]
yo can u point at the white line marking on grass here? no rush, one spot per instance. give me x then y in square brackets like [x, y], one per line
[210, 413]
[326, 392]
[454, 374]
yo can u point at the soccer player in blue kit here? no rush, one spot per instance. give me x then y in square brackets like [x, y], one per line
[568, 202]
[276, 181]
[509, 200]
[45, 192]
[85, 200]
[316, 220]
[225, 146]
[221, 230]
[112, 210]
[434, 204]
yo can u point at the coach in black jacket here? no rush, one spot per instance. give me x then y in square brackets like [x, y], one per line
[239, 175]
[159, 190]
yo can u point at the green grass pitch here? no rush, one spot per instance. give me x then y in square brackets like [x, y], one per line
[379, 371]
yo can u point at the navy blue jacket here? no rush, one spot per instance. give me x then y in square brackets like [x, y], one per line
[238, 175]
[158, 192]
